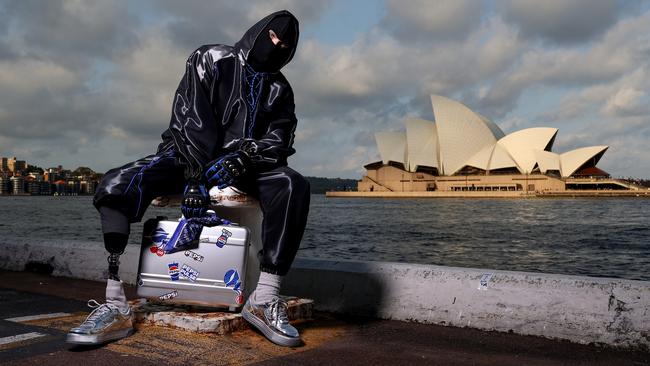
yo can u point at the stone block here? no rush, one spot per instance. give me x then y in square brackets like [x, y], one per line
[204, 319]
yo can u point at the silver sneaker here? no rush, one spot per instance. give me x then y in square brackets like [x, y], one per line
[271, 319]
[105, 323]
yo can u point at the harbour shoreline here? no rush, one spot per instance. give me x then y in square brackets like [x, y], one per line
[492, 194]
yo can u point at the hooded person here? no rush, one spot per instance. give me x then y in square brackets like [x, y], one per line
[232, 124]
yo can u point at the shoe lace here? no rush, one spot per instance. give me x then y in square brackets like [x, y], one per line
[278, 308]
[99, 311]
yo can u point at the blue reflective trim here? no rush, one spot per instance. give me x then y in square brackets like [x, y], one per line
[171, 244]
[253, 94]
[140, 173]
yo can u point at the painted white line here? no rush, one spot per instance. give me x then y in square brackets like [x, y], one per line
[20, 337]
[21, 319]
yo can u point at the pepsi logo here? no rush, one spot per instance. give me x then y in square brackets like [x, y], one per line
[231, 277]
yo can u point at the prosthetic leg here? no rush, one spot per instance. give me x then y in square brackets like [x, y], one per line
[113, 319]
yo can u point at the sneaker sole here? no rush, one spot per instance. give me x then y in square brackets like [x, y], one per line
[94, 339]
[269, 333]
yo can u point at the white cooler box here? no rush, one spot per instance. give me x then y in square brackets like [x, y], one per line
[211, 274]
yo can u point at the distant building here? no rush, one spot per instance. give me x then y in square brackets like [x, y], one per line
[18, 185]
[36, 188]
[33, 188]
[5, 185]
[92, 187]
[73, 187]
[15, 165]
[464, 151]
[86, 187]
[36, 177]
[54, 174]
[60, 186]
[4, 164]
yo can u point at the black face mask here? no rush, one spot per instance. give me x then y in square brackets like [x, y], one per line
[268, 57]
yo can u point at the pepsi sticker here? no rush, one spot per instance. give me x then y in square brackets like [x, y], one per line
[159, 238]
[231, 279]
[189, 272]
[196, 256]
[168, 296]
[157, 251]
[173, 271]
[223, 238]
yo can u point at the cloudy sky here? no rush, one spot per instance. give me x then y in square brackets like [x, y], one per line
[90, 82]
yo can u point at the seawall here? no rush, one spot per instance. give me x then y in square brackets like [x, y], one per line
[577, 308]
[431, 194]
[490, 194]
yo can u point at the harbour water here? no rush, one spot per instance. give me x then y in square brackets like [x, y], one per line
[595, 237]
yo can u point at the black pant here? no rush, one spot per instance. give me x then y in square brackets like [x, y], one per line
[124, 194]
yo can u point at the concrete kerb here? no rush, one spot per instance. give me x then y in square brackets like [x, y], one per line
[75, 259]
[581, 309]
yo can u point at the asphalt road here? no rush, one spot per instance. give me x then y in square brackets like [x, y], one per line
[28, 336]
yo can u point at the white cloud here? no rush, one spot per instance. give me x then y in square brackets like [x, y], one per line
[30, 76]
[623, 49]
[106, 75]
[377, 69]
[561, 21]
[626, 101]
[432, 20]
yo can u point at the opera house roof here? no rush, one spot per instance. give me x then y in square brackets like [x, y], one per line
[461, 138]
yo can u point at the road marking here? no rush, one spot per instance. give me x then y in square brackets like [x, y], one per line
[21, 319]
[20, 338]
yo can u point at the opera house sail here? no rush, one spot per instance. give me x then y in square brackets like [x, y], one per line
[463, 150]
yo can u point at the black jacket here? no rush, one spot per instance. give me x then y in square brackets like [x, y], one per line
[210, 116]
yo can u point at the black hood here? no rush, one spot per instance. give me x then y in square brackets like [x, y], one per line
[256, 49]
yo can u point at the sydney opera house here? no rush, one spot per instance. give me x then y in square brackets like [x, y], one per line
[464, 151]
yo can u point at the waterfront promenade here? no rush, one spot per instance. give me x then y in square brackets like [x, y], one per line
[645, 193]
[330, 339]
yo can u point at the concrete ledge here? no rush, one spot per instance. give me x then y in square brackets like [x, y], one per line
[206, 320]
[76, 259]
[580, 309]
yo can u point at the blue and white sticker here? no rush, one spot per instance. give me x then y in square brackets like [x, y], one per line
[159, 239]
[173, 270]
[483, 282]
[231, 279]
[189, 272]
[223, 239]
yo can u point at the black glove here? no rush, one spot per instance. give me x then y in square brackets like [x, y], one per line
[228, 169]
[195, 200]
